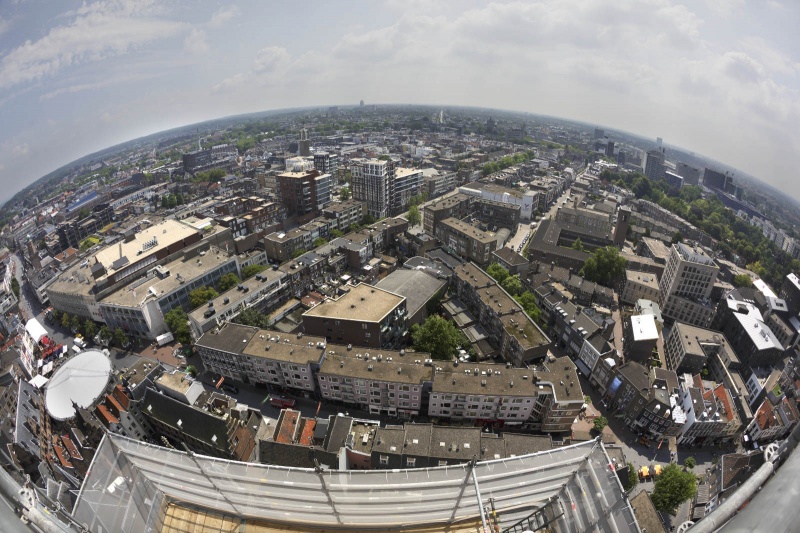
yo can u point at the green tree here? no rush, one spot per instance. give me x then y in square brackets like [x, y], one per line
[498, 273]
[604, 266]
[89, 329]
[335, 233]
[367, 220]
[177, 322]
[344, 193]
[201, 295]
[512, 285]
[678, 237]
[673, 487]
[414, 218]
[690, 462]
[105, 334]
[251, 317]
[577, 245]
[528, 302]
[75, 323]
[15, 287]
[120, 338]
[251, 270]
[437, 336]
[742, 280]
[600, 423]
[319, 241]
[632, 479]
[228, 281]
[297, 253]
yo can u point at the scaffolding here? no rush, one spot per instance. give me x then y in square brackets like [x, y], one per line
[572, 489]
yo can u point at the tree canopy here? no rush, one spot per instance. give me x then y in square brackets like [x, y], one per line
[251, 317]
[673, 487]
[577, 245]
[437, 336]
[498, 273]
[512, 285]
[414, 218]
[600, 423]
[228, 281]
[251, 270]
[201, 295]
[604, 266]
[528, 302]
[176, 321]
[319, 241]
[737, 240]
[742, 280]
[344, 193]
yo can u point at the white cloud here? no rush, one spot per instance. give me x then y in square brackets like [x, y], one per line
[223, 15]
[97, 31]
[20, 150]
[195, 42]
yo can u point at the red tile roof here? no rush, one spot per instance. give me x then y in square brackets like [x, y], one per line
[288, 427]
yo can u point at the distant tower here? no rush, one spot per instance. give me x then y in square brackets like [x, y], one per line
[659, 141]
[599, 134]
[621, 229]
[362, 103]
[305, 145]
[610, 149]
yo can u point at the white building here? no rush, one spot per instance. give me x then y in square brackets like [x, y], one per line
[686, 285]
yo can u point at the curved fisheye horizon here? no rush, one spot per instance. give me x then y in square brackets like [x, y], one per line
[463, 266]
[716, 78]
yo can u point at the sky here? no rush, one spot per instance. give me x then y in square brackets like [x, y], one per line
[717, 77]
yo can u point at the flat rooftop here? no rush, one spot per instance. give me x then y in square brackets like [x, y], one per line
[299, 349]
[648, 279]
[469, 230]
[362, 303]
[181, 271]
[392, 366]
[644, 328]
[148, 241]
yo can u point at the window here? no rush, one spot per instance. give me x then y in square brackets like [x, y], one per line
[411, 462]
[384, 460]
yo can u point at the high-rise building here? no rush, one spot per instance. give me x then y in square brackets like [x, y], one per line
[610, 149]
[714, 180]
[305, 144]
[690, 174]
[327, 163]
[373, 182]
[599, 134]
[304, 192]
[654, 167]
[686, 286]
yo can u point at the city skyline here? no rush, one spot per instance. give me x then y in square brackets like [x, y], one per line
[719, 78]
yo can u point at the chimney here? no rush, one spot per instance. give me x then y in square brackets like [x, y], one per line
[120, 249]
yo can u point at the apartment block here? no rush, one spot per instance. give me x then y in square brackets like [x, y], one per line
[373, 181]
[281, 361]
[345, 213]
[686, 285]
[383, 382]
[512, 333]
[711, 417]
[364, 316]
[548, 399]
[455, 206]
[304, 192]
[639, 285]
[643, 397]
[466, 241]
